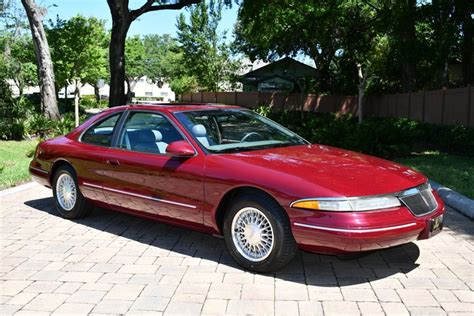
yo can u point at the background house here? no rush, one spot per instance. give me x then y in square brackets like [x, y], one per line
[279, 76]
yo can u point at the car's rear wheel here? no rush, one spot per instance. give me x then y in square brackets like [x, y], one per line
[67, 197]
[258, 234]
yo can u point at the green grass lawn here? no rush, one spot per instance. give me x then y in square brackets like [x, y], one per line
[454, 172]
[14, 162]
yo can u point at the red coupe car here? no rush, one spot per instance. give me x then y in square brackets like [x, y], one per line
[229, 171]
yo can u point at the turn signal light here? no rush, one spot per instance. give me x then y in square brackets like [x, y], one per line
[311, 205]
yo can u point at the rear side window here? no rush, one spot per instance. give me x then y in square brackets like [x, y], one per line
[101, 133]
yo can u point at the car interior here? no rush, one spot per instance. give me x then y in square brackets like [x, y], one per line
[148, 132]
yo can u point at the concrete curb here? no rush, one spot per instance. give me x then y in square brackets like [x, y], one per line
[18, 188]
[458, 202]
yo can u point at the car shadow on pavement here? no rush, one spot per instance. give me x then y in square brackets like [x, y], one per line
[306, 268]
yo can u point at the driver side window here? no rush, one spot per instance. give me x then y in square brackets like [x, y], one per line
[148, 132]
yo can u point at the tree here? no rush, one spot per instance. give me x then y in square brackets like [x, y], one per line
[135, 56]
[206, 55]
[463, 12]
[19, 62]
[160, 51]
[79, 53]
[165, 61]
[35, 16]
[269, 30]
[122, 18]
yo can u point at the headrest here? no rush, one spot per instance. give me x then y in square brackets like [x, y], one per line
[142, 136]
[158, 135]
[199, 130]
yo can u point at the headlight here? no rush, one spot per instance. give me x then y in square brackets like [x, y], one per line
[348, 204]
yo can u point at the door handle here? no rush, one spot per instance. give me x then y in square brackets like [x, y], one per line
[113, 162]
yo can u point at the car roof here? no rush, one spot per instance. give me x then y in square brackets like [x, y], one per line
[177, 107]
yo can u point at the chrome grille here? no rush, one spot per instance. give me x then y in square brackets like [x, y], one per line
[419, 200]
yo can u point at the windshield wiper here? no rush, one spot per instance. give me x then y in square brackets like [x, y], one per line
[231, 149]
[257, 147]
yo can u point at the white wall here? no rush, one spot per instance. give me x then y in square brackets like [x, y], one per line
[143, 88]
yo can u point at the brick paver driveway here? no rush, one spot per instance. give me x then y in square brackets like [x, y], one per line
[113, 263]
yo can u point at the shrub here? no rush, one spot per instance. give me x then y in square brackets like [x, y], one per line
[38, 124]
[379, 136]
[12, 113]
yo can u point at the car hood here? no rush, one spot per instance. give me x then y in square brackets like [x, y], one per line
[330, 171]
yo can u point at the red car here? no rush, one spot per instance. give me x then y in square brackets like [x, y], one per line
[228, 171]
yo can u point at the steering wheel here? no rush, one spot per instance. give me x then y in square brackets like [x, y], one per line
[248, 135]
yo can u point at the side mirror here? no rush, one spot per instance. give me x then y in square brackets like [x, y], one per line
[180, 148]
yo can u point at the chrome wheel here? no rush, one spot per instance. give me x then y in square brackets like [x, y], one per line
[252, 234]
[66, 193]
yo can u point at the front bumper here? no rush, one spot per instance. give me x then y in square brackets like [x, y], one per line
[347, 232]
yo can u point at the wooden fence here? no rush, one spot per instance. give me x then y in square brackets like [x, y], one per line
[447, 106]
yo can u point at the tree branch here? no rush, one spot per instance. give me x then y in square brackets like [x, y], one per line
[149, 7]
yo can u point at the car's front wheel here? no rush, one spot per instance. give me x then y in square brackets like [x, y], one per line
[68, 199]
[258, 234]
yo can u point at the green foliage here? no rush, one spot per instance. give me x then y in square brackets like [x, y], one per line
[78, 49]
[400, 45]
[38, 125]
[383, 137]
[135, 58]
[162, 57]
[90, 102]
[13, 112]
[17, 63]
[21, 119]
[206, 56]
[263, 110]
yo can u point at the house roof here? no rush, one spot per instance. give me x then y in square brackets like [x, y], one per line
[284, 68]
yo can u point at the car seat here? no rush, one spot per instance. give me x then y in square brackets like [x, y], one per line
[159, 141]
[201, 134]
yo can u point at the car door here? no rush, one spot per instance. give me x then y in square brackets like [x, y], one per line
[140, 175]
[89, 157]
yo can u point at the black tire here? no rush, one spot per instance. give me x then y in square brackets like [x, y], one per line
[284, 245]
[81, 207]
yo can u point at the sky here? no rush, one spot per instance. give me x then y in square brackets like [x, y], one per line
[161, 22]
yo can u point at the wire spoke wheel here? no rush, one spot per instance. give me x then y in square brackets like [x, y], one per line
[252, 234]
[66, 192]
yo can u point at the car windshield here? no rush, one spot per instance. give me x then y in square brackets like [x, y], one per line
[236, 130]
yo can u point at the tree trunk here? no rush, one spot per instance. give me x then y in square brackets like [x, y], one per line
[97, 94]
[122, 17]
[120, 25]
[464, 12]
[129, 88]
[408, 44]
[77, 96]
[362, 81]
[43, 59]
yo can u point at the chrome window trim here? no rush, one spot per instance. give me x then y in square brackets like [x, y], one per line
[345, 230]
[138, 195]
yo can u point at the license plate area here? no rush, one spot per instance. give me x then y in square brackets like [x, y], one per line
[436, 225]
